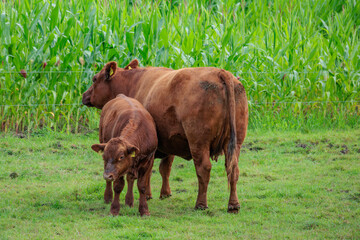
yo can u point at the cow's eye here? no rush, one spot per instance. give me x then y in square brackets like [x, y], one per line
[122, 157]
[94, 79]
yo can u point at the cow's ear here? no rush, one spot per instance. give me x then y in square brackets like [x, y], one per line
[98, 147]
[132, 150]
[110, 69]
[133, 64]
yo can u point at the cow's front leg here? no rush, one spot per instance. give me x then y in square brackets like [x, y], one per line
[203, 168]
[165, 169]
[118, 187]
[108, 194]
[144, 174]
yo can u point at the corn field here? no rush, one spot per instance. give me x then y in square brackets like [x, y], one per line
[299, 61]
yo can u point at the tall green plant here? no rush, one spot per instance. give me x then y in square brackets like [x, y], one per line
[283, 51]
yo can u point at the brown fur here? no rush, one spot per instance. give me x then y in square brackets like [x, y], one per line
[126, 128]
[199, 113]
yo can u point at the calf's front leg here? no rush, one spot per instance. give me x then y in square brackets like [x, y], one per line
[118, 187]
[108, 194]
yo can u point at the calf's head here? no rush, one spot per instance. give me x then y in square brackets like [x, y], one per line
[103, 89]
[118, 157]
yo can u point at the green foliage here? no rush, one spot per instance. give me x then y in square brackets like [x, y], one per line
[291, 186]
[283, 51]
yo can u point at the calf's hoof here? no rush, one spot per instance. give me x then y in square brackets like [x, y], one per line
[144, 214]
[201, 207]
[108, 198]
[115, 210]
[233, 208]
[129, 202]
[163, 196]
[148, 197]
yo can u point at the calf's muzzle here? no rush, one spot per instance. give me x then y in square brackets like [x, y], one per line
[108, 176]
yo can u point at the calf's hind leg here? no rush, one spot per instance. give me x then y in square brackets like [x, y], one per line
[118, 187]
[129, 198]
[144, 174]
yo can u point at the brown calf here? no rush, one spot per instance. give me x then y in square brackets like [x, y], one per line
[128, 139]
[199, 113]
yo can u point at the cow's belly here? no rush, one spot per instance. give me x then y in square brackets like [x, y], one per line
[174, 145]
[171, 135]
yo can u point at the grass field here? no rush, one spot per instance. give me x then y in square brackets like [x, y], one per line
[298, 60]
[292, 185]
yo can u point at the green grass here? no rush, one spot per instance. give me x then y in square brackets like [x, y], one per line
[292, 185]
[283, 51]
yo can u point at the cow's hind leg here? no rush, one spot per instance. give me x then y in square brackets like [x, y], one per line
[108, 194]
[165, 169]
[129, 198]
[118, 187]
[234, 205]
[203, 168]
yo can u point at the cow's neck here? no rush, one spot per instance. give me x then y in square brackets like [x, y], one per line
[128, 82]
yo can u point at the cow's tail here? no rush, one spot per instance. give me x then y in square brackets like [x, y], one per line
[230, 95]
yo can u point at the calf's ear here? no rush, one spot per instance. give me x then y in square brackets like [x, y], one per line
[132, 150]
[110, 69]
[98, 147]
[133, 64]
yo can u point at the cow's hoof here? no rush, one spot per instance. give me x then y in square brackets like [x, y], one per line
[107, 201]
[163, 196]
[201, 207]
[233, 208]
[148, 197]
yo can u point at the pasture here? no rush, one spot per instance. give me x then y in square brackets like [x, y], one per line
[292, 185]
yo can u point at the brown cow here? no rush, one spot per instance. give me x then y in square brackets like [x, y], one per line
[127, 135]
[199, 113]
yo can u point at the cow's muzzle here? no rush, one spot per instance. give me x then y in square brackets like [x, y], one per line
[86, 99]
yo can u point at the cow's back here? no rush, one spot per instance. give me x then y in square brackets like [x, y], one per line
[190, 98]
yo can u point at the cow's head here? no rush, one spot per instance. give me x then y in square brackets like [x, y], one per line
[118, 157]
[102, 89]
